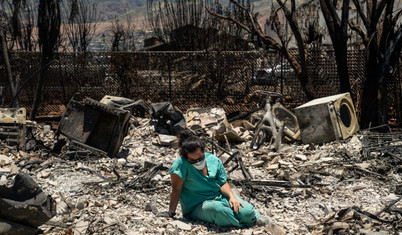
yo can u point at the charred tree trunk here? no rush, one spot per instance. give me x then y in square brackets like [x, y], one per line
[303, 79]
[337, 28]
[6, 60]
[251, 25]
[383, 40]
[49, 30]
[370, 105]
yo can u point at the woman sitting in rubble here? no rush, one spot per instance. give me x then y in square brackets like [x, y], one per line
[199, 182]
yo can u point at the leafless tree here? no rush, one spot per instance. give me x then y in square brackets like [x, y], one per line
[123, 34]
[253, 27]
[166, 15]
[118, 33]
[4, 51]
[187, 25]
[21, 18]
[338, 31]
[382, 37]
[81, 23]
[49, 30]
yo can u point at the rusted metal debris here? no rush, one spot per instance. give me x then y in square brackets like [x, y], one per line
[327, 119]
[235, 157]
[95, 124]
[277, 123]
[24, 206]
[13, 126]
[263, 130]
[166, 119]
[144, 179]
[388, 144]
[137, 108]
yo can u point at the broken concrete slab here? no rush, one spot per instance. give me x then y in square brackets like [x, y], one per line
[258, 163]
[301, 157]
[167, 140]
[4, 170]
[273, 167]
[181, 225]
[4, 160]
[230, 136]
[81, 227]
[208, 121]
[213, 119]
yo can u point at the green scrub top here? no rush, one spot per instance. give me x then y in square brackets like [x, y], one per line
[198, 187]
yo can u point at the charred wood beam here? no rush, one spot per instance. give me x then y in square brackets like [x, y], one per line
[271, 183]
[388, 206]
[366, 214]
[144, 178]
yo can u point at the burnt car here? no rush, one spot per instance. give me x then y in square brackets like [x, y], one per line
[272, 76]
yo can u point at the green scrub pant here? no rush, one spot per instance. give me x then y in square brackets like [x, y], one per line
[218, 211]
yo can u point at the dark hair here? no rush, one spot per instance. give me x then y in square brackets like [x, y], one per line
[189, 143]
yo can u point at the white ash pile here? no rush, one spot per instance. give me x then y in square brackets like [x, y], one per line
[306, 189]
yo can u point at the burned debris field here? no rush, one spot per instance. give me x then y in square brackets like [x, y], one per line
[274, 117]
[103, 169]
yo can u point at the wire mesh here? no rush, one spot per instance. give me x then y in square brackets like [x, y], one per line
[186, 79]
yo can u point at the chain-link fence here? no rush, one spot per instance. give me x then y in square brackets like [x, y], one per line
[186, 79]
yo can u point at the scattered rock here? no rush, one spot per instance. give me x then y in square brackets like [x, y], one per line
[273, 167]
[4, 160]
[274, 229]
[258, 163]
[81, 227]
[122, 161]
[45, 173]
[301, 157]
[4, 170]
[181, 225]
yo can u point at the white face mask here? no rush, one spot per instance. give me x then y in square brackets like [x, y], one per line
[199, 165]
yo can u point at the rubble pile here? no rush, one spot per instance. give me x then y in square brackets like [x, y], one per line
[330, 188]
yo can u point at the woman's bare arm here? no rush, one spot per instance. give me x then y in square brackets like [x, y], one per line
[234, 203]
[177, 184]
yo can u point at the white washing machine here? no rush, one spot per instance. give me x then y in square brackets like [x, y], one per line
[327, 119]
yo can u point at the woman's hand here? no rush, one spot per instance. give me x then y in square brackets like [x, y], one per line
[235, 204]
